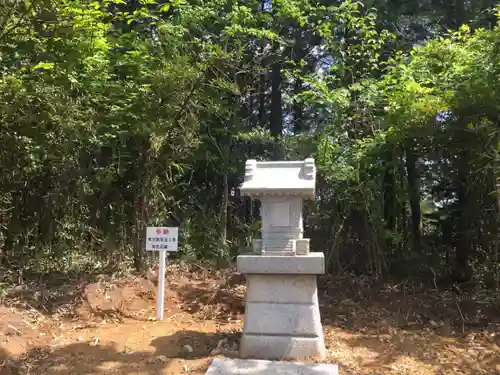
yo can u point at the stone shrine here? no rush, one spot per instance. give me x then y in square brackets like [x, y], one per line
[282, 319]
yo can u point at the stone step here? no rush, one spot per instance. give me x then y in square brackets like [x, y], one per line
[227, 366]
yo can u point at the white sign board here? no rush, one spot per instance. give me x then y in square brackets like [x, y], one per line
[162, 239]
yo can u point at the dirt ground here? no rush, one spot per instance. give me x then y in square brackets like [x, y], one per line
[370, 328]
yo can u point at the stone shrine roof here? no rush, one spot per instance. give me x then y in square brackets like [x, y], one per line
[296, 178]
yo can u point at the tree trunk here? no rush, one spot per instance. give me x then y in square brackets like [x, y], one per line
[139, 228]
[462, 248]
[142, 191]
[262, 100]
[225, 196]
[297, 108]
[298, 113]
[402, 209]
[413, 173]
[389, 192]
[262, 83]
[460, 13]
[462, 271]
[276, 125]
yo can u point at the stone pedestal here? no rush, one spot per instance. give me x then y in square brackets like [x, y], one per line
[282, 319]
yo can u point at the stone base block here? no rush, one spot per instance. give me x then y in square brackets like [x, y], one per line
[311, 264]
[282, 289]
[227, 366]
[282, 347]
[282, 319]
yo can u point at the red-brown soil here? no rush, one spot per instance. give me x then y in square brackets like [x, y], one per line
[370, 328]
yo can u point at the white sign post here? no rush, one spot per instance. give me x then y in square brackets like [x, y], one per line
[163, 240]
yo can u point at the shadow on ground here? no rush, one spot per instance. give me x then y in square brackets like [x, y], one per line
[86, 359]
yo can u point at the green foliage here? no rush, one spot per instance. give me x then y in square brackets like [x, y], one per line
[439, 101]
[117, 114]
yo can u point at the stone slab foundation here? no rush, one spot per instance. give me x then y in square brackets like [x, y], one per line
[227, 366]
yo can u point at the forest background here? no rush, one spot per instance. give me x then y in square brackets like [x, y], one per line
[118, 114]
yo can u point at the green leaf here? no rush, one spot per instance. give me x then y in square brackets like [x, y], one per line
[164, 8]
[44, 66]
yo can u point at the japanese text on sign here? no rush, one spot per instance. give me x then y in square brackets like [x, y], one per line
[162, 239]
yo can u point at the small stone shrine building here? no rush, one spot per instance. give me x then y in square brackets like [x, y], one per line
[282, 319]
